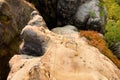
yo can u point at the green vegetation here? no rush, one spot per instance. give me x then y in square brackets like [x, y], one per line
[92, 14]
[102, 12]
[112, 34]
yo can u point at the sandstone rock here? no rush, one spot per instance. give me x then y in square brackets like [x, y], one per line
[63, 59]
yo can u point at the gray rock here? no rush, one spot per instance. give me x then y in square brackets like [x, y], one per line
[33, 44]
[116, 49]
[85, 15]
[68, 29]
[32, 48]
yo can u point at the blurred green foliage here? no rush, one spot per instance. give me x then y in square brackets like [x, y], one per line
[112, 34]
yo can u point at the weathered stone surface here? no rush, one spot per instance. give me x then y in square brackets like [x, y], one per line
[116, 49]
[32, 44]
[65, 30]
[63, 59]
[14, 15]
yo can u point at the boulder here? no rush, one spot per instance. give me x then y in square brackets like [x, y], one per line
[65, 30]
[84, 14]
[14, 15]
[62, 58]
[32, 44]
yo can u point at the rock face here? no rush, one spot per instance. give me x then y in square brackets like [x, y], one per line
[8, 27]
[14, 15]
[84, 14]
[13, 18]
[64, 58]
[21, 10]
[116, 49]
[32, 44]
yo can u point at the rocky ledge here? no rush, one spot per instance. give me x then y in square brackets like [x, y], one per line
[59, 57]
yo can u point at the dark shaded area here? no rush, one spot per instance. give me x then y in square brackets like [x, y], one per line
[66, 9]
[116, 49]
[6, 52]
[57, 13]
[85, 15]
[8, 30]
[118, 1]
[4, 67]
[14, 15]
[33, 48]
[47, 9]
